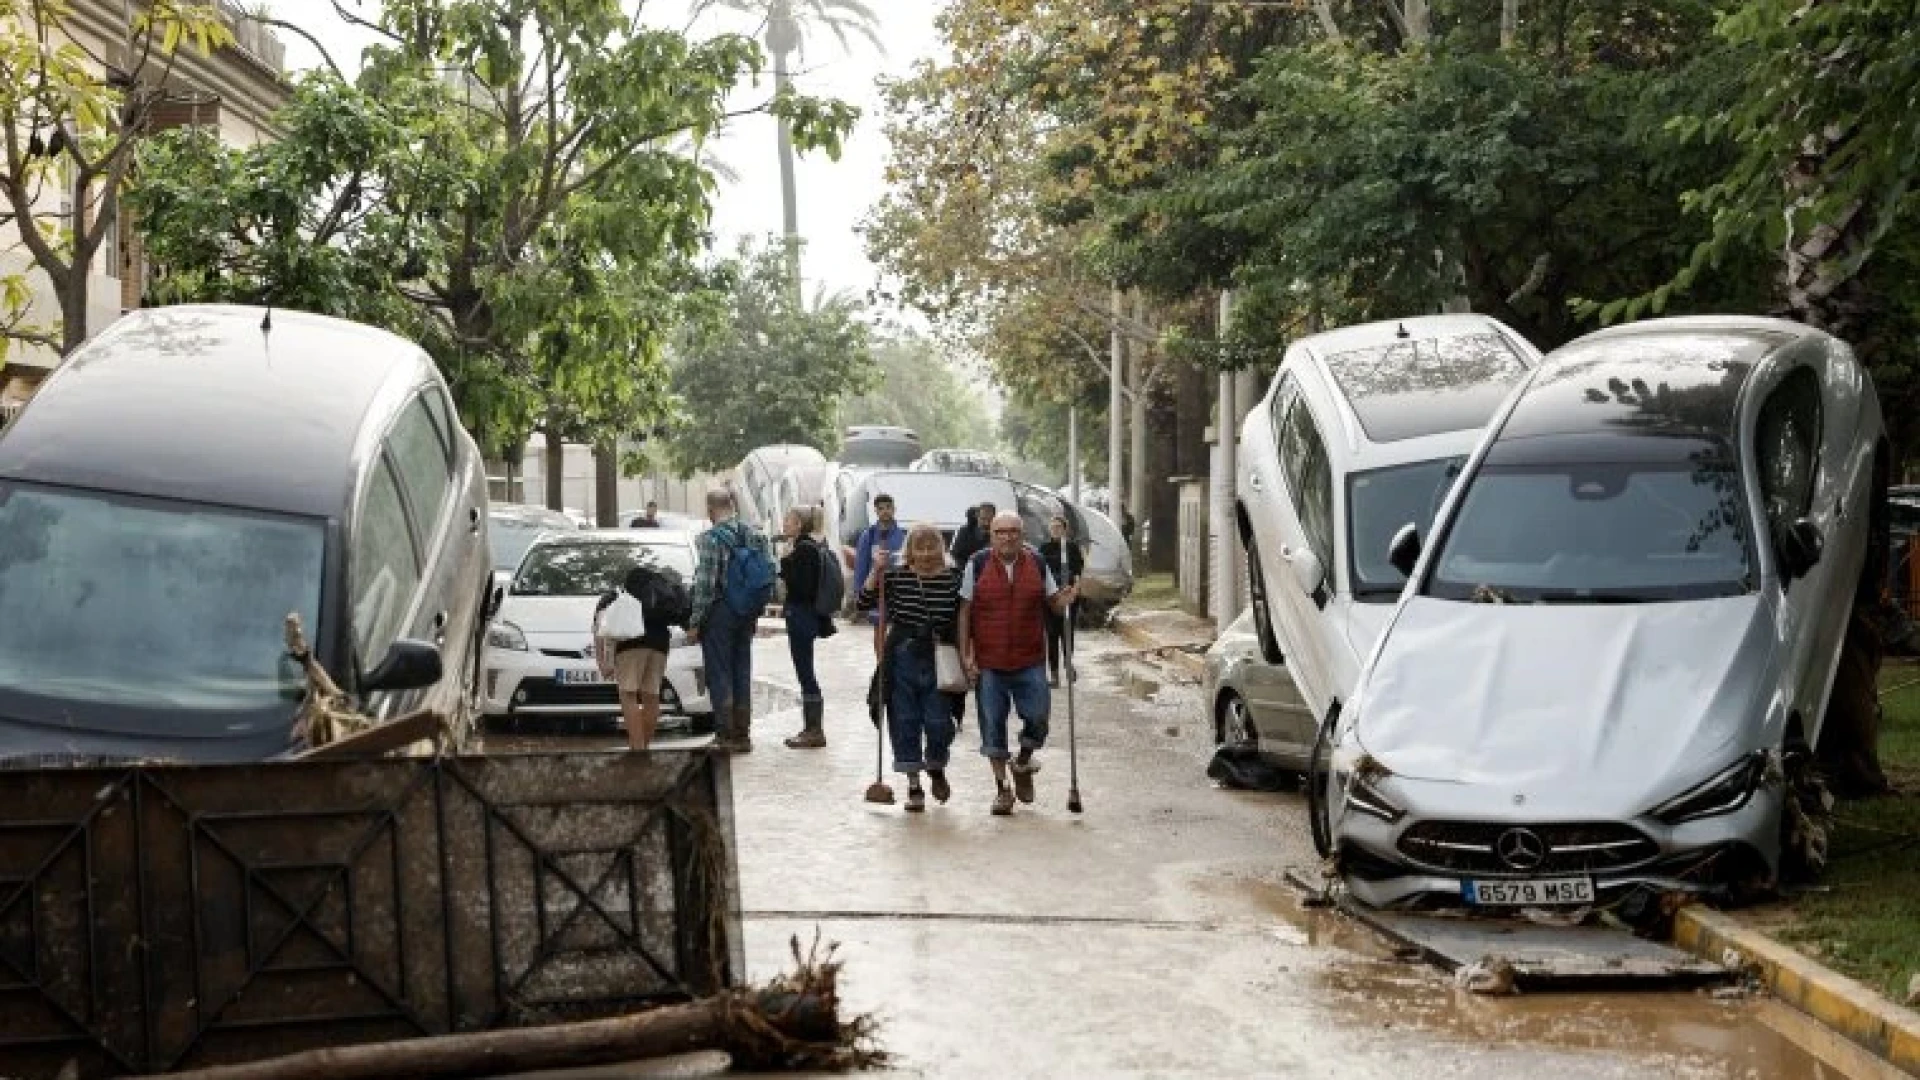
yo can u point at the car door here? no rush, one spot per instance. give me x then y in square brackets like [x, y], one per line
[1787, 443]
[423, 446]
[383, 576]
[1304, 516]
[1280, 714]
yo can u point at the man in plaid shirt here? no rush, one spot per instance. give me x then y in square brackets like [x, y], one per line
[725, 639]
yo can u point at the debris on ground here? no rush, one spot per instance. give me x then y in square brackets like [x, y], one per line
[327, 715]
[1487, 975]
[790, 1024]
[1240, 765]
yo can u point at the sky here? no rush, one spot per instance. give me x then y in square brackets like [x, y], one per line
[834, 196]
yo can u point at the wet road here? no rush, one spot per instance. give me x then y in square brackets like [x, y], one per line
[1152, 935]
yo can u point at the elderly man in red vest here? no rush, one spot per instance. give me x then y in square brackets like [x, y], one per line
[1004, 598]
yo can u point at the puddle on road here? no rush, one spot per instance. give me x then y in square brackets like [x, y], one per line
[1680, 1033]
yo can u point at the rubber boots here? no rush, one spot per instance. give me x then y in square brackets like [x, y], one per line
[811, 735]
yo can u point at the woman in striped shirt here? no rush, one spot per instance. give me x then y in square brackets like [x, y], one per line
[919, 604]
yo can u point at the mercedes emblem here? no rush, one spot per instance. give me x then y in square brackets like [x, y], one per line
[1521, 849]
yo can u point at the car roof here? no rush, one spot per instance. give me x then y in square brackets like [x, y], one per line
[1394, 389]
[1665, 377]
[199, 403]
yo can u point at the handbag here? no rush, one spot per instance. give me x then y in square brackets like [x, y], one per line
[624, 619]
[948, 671]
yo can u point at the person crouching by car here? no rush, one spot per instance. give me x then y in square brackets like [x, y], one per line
[636, 665]
[800, 572]
[918, 602]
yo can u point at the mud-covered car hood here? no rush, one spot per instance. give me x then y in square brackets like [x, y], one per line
[1568, 704]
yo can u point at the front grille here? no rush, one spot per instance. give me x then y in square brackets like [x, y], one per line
[1580, 847]
[549, 694]
[570, 654]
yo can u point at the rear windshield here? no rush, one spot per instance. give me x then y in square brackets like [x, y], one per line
[1598, 532]
[591, 569]
[113, 608]
[1426, 386]
[509, 539]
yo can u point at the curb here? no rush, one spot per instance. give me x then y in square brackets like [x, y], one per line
[1140, 638]
[1844, 1005]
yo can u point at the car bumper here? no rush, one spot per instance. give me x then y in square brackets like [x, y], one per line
[1400, 864]
[516, 683]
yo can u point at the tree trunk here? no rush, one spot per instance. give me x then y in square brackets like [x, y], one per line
[555, 459]
[789, 192]
[1509, 23]
[606, 484]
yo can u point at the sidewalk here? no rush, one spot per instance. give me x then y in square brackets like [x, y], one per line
[1847, 1008]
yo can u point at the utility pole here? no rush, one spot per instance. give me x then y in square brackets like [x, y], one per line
[1225, 597]
[1137, 499]
[1073, 454]
[1117, 413]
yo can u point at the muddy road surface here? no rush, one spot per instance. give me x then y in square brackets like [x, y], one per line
[1151, 936]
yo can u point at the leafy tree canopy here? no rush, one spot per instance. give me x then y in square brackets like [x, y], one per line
[919, 388]
[768, 368]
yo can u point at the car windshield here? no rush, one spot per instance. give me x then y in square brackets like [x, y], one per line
[1598, 532]
[576, 569]
[136, 605]
[509, 539]
[1379, 503]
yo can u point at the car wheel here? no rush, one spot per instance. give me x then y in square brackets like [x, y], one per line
[1262, 604]
[1233, 722]
[1318, 813]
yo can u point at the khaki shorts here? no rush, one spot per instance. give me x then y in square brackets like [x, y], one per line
[638, 671]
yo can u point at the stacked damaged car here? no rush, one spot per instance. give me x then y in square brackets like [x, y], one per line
[1611, 663]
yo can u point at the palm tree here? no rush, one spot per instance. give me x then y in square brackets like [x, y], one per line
[786, 24]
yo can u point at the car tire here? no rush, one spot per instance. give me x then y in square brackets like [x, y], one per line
[1319, 819]
[1233, 721]
[1261, 599]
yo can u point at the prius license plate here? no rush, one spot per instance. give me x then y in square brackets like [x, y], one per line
[573, 676]
[1540, 891]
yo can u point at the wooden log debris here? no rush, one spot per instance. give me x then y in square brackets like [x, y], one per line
[792, 1023]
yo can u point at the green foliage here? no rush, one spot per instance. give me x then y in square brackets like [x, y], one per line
[1036, 431]
[919, 388]
[770, 370]
[518, 184]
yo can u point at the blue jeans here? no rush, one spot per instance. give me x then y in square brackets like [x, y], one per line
[918, 712]
[1024, 690]
[803, 629]
[726, 644]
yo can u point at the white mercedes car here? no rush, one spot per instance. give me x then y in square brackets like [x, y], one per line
[1610, 669]
[1362, 430]
[540, 656]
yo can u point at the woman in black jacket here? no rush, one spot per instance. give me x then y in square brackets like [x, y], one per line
[1065, 559]
[800, 573]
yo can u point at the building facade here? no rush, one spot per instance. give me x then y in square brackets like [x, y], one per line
[235, 91]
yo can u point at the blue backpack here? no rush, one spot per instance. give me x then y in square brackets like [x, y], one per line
[748, 583]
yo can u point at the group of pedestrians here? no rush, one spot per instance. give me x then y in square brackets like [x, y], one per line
[985, 614]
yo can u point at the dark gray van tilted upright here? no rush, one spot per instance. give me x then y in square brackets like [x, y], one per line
[185, 481]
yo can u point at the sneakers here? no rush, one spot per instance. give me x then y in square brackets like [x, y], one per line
[916, 801]
[941, 789]
[1003, 803]
[1023, 779]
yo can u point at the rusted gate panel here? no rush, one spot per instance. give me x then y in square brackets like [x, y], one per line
[155, 917]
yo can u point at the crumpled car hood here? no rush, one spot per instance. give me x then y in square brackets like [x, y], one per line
[1568, 705]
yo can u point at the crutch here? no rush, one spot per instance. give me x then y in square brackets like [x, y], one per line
[1073, 744]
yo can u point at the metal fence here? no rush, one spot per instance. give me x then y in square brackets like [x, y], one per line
[154, 918]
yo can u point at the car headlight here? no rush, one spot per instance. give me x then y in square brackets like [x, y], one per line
[1722, 793]
[1365, 797]
[505, 635]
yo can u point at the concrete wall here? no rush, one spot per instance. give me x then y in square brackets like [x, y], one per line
[577, 487]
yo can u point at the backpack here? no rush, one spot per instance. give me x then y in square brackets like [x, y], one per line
[747, 582]
[831, 593]
[667, 601]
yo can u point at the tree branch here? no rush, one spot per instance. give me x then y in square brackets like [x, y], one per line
[281, 24]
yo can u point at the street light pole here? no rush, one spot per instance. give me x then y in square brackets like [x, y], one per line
[1073, 454]
[1117, 414]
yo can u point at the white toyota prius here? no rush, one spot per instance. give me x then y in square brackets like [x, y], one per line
[540, 656]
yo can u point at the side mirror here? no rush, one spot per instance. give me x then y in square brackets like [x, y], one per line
[1403, 551]
[409, 665]
[1307, 571]
[1800, 547]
